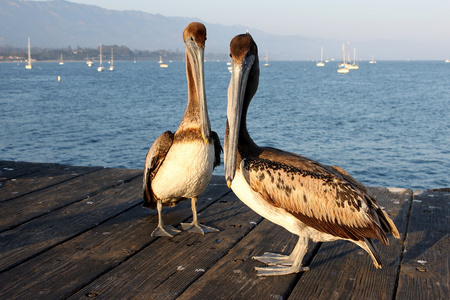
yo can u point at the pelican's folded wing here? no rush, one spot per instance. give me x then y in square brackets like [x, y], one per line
[217, 148]
[322, 201]
[154, 159]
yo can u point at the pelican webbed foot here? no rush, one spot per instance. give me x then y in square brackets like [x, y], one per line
[165, 230]
[284, 264]
[272, 259]
[195, 226]
[198, 228]
[161, 229]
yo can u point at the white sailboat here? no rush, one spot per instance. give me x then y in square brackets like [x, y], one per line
[61, 62]
[321, 63]
[372, 61]
[161, 64]
[353, 66]
[230, 68]
[343, 66]
[111, 67]
[101, 68]
[29, 66]
[267, 60]
[89, 62]
[347, 65]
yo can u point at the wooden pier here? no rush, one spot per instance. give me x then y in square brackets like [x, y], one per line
[81, 232]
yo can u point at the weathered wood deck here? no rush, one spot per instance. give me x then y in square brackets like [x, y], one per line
[81, 232]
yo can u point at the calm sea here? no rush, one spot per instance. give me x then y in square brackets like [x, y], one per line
[387, 124]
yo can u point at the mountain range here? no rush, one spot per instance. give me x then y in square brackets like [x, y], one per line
[58, 24]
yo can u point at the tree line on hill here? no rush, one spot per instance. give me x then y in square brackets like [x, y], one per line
[10, 53]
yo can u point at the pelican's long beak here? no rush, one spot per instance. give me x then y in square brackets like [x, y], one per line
[196, 55]
[236, 95]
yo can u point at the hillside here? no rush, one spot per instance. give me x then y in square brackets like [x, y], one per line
[58, 24]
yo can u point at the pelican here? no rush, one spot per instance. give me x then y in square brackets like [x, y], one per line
[179, 165]
[314, 201]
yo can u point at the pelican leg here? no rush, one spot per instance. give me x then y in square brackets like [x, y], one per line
[163, 230]
[286, 264]
[195, 226]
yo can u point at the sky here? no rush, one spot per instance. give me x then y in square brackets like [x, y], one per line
[424, 21]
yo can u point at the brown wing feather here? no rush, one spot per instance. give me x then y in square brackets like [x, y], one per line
[217, 148]
[322, 201]
[155, 157]
[292, 159]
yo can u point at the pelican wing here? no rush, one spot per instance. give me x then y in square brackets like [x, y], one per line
[306, 164]
[324, 201]
[217, 148]
[292, 159]
[155, 157]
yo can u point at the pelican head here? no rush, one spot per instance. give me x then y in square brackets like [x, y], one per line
[243, 85]
[194, 36]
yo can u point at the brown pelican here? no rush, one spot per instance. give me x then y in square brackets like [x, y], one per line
[179, 165]
[314, 201]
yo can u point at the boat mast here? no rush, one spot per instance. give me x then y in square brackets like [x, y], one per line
[29, 52]
[29, 65]
[100, 54]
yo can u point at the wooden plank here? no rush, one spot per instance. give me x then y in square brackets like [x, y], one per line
[343, 270]
[425, 269]
[67, 267]
[16, 169]
[40, 234]
[234, 276]
[30, 206]
[168, 266]
[13, 169]
[22, 178]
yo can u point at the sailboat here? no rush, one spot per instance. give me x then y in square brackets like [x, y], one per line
[353, 66]
[267, 60]
[111, 67]
[29, 66]
[61, 62]
[321, 63]
[100, 68]
[161, 64]
[372, 61]
[343, 66]
[230, 68]
[89, 62]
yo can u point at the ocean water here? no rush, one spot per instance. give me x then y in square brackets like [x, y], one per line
[387, 124]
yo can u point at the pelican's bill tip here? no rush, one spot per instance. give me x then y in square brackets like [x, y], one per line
[229, 182]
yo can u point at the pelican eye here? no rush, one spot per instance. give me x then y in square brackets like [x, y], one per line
[231, 55]
[192, 38]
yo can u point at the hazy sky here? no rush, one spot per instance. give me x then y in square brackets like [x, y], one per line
[424, 21]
